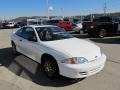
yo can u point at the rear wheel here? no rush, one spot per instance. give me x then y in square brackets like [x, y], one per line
[50, 67]
[14, 51]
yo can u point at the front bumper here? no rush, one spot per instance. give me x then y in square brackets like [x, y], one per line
[82, 70]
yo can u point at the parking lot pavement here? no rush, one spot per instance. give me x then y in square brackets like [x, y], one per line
[29, 72]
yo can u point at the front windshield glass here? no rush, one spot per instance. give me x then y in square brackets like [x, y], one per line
[52, 33]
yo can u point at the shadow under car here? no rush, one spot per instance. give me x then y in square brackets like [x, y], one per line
[30, 70]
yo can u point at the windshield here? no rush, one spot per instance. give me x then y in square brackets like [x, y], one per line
[52, 33]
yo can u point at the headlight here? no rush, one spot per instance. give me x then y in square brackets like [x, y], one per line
[75, 60]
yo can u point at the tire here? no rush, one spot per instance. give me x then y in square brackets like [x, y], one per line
[14, 51]
[102, 33]
[50, 67]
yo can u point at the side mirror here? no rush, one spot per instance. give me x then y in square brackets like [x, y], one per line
[33, 39]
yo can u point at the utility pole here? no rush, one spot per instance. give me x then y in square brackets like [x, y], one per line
[48, 9]
[91, 16]
[105, 7]
[62, 13]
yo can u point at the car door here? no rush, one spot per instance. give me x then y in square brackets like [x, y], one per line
[29, 47]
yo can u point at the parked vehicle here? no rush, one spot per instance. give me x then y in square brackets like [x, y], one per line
[103, 26]
[86, 23]
[21, 24]
[68, 26]
[66, 19]
[78, 28]
[4, 25]
[75, 20]
[58, 52]
[34, 21]
[11, 24]
[53, 22]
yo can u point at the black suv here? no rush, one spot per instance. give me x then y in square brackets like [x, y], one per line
[103, 26]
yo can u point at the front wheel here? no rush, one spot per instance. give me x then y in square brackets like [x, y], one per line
[50, 68]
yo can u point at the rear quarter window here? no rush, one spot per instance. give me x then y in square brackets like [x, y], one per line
[19, 32]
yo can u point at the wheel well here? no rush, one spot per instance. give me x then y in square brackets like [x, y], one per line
[44, 56]
[48, 56]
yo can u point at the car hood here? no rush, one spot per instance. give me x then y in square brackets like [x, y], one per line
[75, 47]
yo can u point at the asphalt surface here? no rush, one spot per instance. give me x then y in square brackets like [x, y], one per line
[108, 79]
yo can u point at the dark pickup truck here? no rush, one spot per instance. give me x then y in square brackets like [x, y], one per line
[102, 26]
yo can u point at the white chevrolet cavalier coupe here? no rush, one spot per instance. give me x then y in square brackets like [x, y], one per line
[58, 52]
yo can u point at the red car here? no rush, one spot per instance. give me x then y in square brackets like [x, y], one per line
[68, 26]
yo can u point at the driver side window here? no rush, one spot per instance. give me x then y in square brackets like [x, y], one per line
[44, 34]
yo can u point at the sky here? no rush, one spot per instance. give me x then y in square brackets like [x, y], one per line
[15, 8]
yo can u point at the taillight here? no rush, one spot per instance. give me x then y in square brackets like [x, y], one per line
[92, 25]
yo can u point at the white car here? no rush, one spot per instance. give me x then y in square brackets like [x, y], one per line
[78, 28]
[58, 52]
[11, 24]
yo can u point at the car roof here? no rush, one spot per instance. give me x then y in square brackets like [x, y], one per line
[35, 26]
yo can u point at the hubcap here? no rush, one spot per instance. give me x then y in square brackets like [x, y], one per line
[49, 69]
